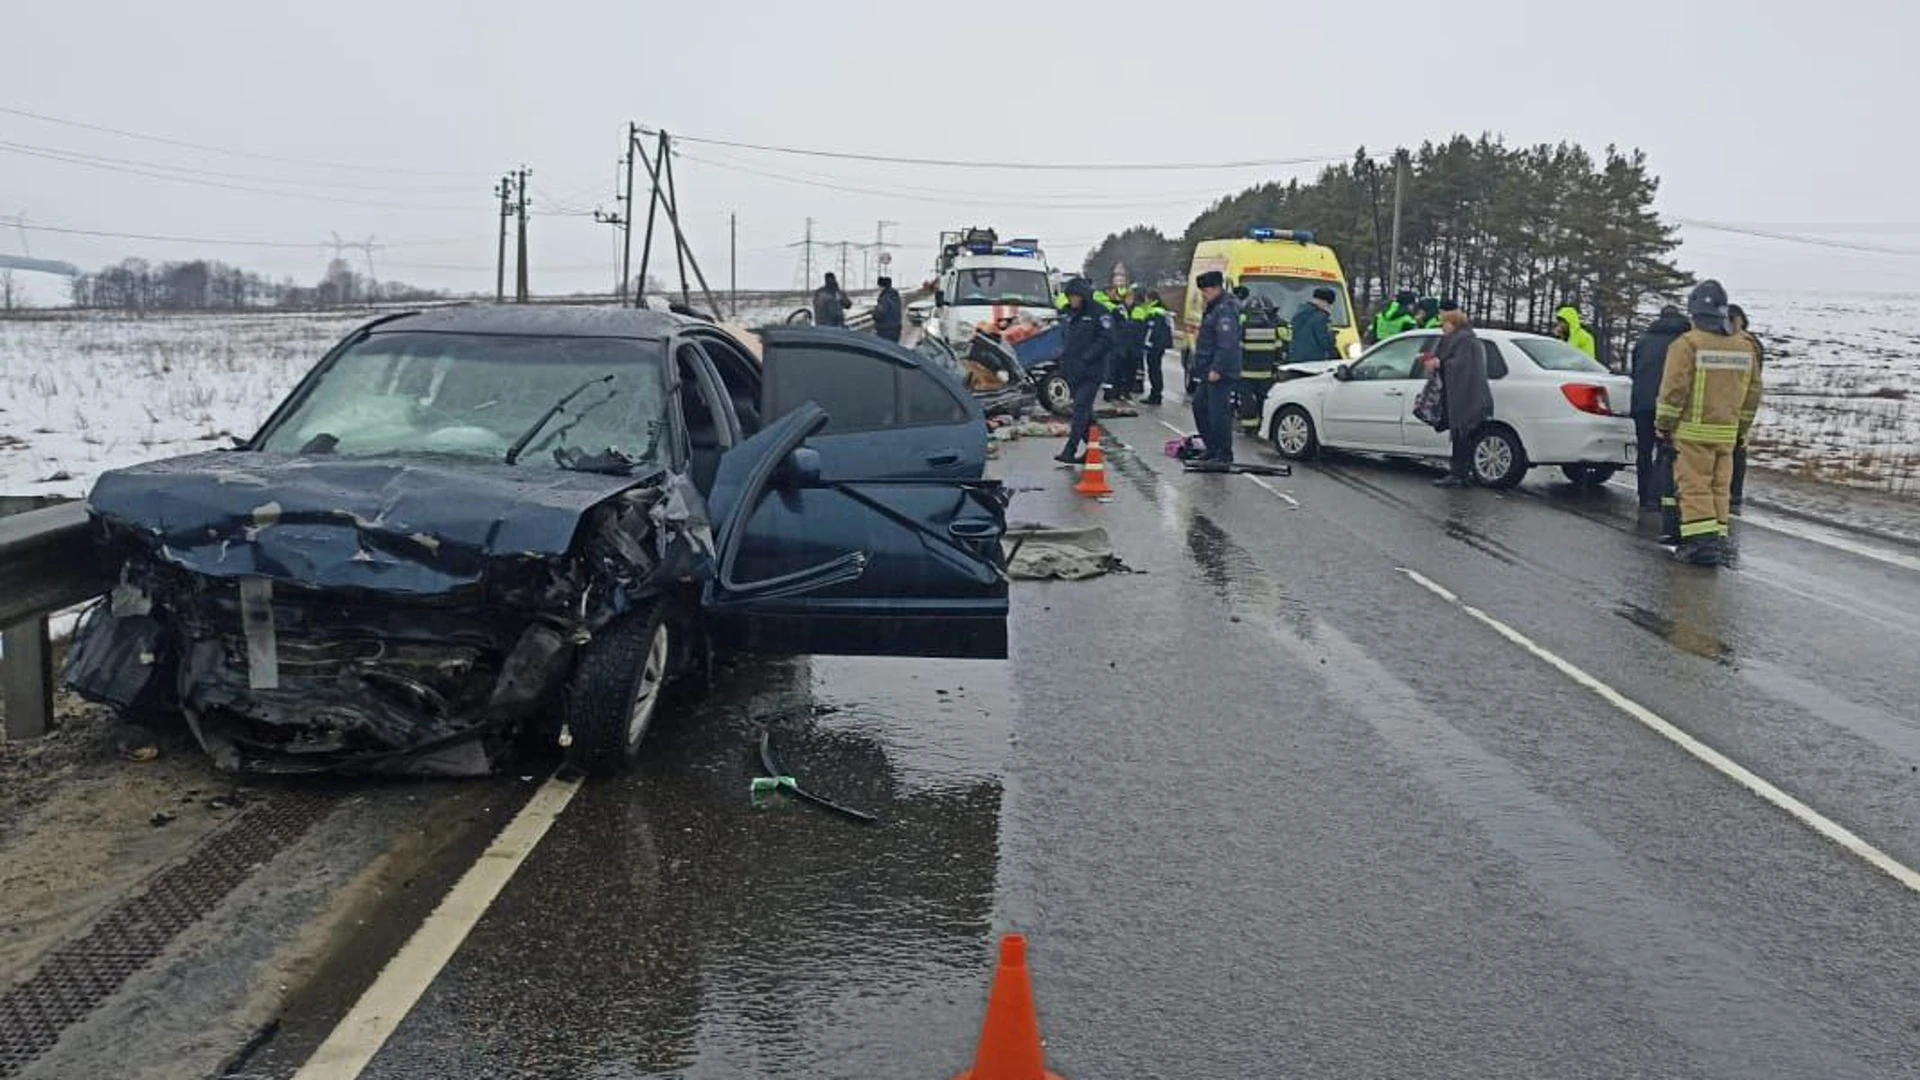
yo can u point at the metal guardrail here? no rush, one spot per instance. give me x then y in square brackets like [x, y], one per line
[47, 563]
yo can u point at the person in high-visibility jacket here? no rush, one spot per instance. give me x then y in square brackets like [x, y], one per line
[1158, 339]
[1709, 395]
[1566, 326]
[1398, 317]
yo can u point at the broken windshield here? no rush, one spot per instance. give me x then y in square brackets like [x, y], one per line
[1001, 285]
[474, 395]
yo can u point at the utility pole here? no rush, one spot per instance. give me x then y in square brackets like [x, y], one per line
[620, 222]
[504, 192]
[843, 264]
[1399, 195]
[626, 240]
[807, 281]
[733, 265]
[520, 208]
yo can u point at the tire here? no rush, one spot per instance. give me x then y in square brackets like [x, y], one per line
[1293, 435]
[1589, 477]
[1499, 461]
[1056, 394]
[615, 689]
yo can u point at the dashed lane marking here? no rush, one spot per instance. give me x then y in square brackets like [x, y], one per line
[372, 1020]
[1714, 759]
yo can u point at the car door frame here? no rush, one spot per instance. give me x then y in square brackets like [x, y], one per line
[958, 454]
[1381, 428]
[774, 614]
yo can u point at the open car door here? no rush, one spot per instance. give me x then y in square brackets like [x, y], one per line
[890, 412]
[887, 566]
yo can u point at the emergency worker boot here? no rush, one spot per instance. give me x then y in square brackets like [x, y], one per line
[1704, 551]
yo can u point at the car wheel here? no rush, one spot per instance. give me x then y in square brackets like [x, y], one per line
[1293, 434]
[1057, 395]
[1498, 459]
[1589, 476]
[615, 690]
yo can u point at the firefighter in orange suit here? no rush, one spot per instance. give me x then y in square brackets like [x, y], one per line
[1709, 395]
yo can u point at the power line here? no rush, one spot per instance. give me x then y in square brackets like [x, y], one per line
[214, 173]
[220, 242]
[1041, 200]
[1045, 166]
[84, 161]
[1794, 238]
[304, 162]
[1088, 204]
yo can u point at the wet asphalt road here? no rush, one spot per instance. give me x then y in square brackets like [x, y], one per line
[1265, 808]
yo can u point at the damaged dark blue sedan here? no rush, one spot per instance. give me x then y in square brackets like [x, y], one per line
[476, 526]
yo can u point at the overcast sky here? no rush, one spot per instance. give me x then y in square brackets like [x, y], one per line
[1787, 117]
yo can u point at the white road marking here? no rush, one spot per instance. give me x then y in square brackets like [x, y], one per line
[1813, 534]
[1283, 496]
[365, 1029]
[1726, 766]
[1288, 499]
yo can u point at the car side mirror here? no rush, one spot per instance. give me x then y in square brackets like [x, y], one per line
[1344, 372]
[801, 469]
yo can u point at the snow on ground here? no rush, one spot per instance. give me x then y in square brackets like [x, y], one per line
[79, 396]
[1842, 387]
[81, 393]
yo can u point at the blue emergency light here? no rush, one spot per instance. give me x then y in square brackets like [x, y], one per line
[1262, 232]
[1022, 252]
[980, 248]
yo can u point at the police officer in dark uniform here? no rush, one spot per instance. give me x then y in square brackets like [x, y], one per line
[1092, 342]
[1216, 368]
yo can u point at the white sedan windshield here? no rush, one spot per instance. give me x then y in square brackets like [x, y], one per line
[476, 396]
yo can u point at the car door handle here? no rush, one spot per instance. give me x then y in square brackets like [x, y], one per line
[944, 459]
[1396, 393]
[974, 530]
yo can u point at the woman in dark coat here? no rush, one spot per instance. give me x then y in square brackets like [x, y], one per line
[1463, 374]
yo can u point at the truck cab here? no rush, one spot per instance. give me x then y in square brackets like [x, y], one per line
[983, 282]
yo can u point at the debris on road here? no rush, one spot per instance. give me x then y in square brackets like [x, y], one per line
[1044, 552]
[775, 780]
[162, 817]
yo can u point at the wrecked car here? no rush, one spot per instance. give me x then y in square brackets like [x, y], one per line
[477, 526]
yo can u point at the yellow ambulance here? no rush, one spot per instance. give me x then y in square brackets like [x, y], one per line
[1282, 265]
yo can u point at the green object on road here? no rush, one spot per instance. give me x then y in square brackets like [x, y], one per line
[763, 784]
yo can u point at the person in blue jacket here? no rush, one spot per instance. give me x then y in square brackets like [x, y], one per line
[1216, 368]
[1313, 329]
[1092, 333]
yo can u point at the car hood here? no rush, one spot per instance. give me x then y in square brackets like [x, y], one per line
[398, 525]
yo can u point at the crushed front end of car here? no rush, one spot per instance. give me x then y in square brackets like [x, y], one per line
[382, 616]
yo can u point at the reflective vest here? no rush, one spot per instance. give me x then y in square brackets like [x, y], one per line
[1394, 320]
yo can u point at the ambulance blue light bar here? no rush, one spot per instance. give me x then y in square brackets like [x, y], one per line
[1262, 232]
[1022, 252]
[995, 249]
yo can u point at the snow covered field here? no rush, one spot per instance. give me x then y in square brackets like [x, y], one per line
[1843, 387]
[82, 394]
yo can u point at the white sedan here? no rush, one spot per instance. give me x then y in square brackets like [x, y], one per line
[1552, 405]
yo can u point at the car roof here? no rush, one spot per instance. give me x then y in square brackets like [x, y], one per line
[537, 320]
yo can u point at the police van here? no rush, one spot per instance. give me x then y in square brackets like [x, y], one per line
[1282, 266]
[982, 281]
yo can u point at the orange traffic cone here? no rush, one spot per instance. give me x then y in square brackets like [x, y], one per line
[1093, 474]
[1010, 1039]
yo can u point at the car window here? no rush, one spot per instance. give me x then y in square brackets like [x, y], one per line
[926, 399]
[1288, 294]
[987, 285]
[1552, 354]
[857, 390]
[476, 395]
[1397, 359]
[1496, 360]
